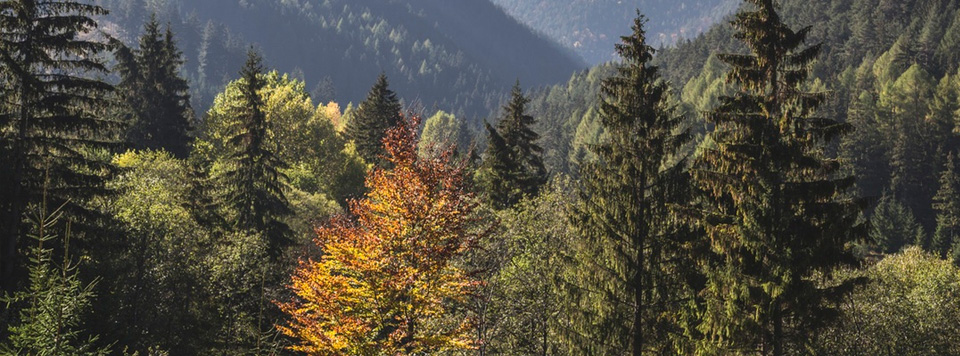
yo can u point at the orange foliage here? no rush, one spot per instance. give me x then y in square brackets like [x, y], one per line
[387, 279]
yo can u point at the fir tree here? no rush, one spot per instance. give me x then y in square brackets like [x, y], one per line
[155, 93]
[618, 280]
[947, 205]
[948, 52]
[254, 181]
[377, 114]
[893, 225]
[777, 213]
[914, 156]
[513, 167]
[48, 65]
[55, 301]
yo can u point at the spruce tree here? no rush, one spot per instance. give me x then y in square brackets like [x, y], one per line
[49, 67]
[155, 93]
[54, 302]
[253, 180]
[947, 205]
[513, 167]
[893, 225]
[629, 240]
[495, 171]
[915, 158]
[378, 113]
[777, 207]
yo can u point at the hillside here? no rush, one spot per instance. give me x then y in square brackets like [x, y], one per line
[457, 56]
[787, 182]
[887, 68]
[592, 27]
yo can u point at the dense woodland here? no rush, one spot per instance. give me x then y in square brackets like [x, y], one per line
[459, 56]
[786, 183]
[592, 27]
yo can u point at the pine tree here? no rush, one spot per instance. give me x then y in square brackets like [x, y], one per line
[49, 65]
[378, 113]
[153, 90]
[513, 167]
[777, 208]
[947, 205]
[618, 278]
[254, 181]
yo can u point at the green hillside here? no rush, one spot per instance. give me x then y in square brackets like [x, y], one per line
[458, 56]
[592, 27]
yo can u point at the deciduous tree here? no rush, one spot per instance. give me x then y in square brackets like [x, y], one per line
[388, 281]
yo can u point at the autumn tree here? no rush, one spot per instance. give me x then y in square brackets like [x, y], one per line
[49, 122]
[377, 114]
[620, 289]
[778, 209]
[388, 281]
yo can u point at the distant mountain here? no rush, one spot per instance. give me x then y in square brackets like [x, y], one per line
[592, 27]
[456, 55]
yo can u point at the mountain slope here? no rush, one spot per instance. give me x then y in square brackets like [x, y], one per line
[592, 27]
[457, 55]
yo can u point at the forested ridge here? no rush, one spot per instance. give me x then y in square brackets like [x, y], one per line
[458, 56]
[592, 27]
[177, 181]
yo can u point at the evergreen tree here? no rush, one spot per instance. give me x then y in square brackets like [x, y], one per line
[948, 53]
[155, 93]
[947, 205]
[619, 279]
[777, 210]
[254, 181]
[55, 300]
[513, 167]
[49, 122]
[914, 155]
[893, 225]
[377, 114]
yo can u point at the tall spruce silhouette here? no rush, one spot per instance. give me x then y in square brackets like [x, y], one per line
[513, 167]
[155, 93]
[778, 209]
[378, 113]
[49, 65]
[619, 278]
[254, 181]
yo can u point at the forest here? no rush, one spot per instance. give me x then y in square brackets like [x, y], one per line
[273, 178]
[592, 27]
